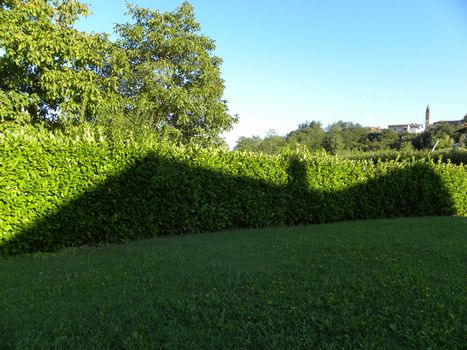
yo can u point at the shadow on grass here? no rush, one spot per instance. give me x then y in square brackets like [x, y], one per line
[159, 196]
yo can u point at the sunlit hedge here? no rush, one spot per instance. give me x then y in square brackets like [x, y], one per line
[455, 156]
[63, 191]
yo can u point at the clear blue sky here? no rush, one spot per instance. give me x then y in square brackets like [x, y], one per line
[366, 61]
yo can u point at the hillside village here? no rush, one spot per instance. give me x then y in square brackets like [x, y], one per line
[416, 128]
[348, 137]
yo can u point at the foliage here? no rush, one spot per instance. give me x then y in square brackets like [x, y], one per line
[249, 144]
[352, 134]
[49, 70]
[309, 134]
[171, 76]
[334, 141]
[457, 157]
[60, 190]
[386, 139]
[160, 79]
[343, 137]
[444, 134]
[271, 144]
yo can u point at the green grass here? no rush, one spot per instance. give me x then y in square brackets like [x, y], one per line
[378, 284]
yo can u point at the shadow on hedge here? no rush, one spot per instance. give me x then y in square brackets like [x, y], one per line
[159, 196]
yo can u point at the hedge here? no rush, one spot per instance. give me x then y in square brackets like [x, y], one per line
[56, 191]
[454, 156]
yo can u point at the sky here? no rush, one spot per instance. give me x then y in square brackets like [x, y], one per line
[287, 62]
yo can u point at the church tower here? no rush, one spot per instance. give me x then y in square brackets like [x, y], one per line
[427, 118]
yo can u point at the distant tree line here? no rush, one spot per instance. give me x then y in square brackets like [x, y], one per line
[347, 136]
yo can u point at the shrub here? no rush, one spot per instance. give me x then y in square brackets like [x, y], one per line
[454, 156]
[59, 191]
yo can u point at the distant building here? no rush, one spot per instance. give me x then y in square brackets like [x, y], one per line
[374, 129]
[412, 128]
[427, 118]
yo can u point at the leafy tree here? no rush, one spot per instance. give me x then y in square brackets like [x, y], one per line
[159, 78]
[404, 141]
[444, 133]
[460, 136]
[389, 138]
[463, 140]
[334, 142]
[386, 139]
[354, 135]
[171, 76]
[49, 70]
[406, 146]
[310, 134]
[272, 143]
[245, 143]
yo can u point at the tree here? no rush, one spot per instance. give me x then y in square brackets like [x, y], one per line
[159, 78]
[272, 143]
[406, 146]
[172, 77]
[444, 133]
[354, 136]
[386, 139]
[245, 143]
[310, 134]
[49, 70]
[334, 142]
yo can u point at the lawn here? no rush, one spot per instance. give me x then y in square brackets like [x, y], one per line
[377, 284]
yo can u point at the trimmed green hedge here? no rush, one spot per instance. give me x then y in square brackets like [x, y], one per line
[55, 191]
[455, 156]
